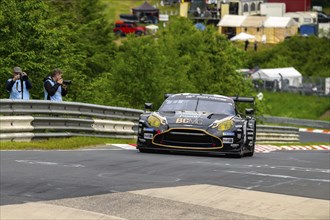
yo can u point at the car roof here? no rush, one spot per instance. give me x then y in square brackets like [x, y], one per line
[201, 96]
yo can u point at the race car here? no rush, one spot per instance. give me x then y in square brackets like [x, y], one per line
[198, 123]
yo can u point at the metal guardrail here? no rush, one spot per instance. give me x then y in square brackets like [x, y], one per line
[39, 107]
[277, 134]
[297, 122]
[25, 120]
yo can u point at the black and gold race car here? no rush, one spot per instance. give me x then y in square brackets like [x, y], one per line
[200, 123]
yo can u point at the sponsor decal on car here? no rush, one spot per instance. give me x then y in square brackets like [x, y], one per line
[226, 133]
[148, 135]
[149, 129]
[189, 121]
[228, 140]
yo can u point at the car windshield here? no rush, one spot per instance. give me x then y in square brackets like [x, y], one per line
[210, 106]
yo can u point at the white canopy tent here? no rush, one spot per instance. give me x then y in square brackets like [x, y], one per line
[243, 37]
[279, 22]
[231, 21]
[152, 28]
[289, 75]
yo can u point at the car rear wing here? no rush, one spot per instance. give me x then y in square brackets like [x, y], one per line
[243, 99]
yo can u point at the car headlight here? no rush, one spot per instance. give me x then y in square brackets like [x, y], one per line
[224, 125]
[155, 121]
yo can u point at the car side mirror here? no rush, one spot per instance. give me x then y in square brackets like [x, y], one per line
[249, 111]
[147, 106]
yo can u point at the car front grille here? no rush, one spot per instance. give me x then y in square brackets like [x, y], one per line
[187, 138]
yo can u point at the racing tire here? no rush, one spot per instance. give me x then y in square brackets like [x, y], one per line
[138, 33]
[240, 154]
[144, 150]
[250, 154]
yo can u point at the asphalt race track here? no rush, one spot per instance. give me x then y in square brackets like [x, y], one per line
[111, 182]
[314, 137]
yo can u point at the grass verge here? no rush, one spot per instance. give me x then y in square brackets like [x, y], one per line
[63, 143]
[296, 106]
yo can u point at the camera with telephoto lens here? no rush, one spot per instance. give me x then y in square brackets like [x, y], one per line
[67, 82]
[23, 77]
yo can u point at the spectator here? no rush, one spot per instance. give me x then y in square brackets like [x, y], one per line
[54, 88]
[246, 45]
[18, 86]
[198, 12]
[255, 45]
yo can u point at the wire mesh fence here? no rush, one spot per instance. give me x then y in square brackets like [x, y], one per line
[308, 86]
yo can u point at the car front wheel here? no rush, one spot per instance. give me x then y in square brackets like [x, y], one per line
[250, 154]
[240, 153]
[144, 150]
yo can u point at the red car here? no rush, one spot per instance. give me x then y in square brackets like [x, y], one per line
[122, 28]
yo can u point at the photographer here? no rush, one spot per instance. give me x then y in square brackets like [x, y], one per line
[54, 87]
[19, 85]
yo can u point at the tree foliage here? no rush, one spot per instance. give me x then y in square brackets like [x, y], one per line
[180, 59]
[42, 35]
[309, 55]
[29, 39]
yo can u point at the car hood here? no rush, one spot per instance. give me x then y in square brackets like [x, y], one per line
[192, 118]
[140, 28]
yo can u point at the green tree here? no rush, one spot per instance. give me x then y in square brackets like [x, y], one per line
[135, 74]
[30, 39]
[309, 55]
[42, 35]
[180, 59]
[210, 61]
[92, 39]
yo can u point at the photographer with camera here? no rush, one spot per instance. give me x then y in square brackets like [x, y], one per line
[54, 86]
[18, 86]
